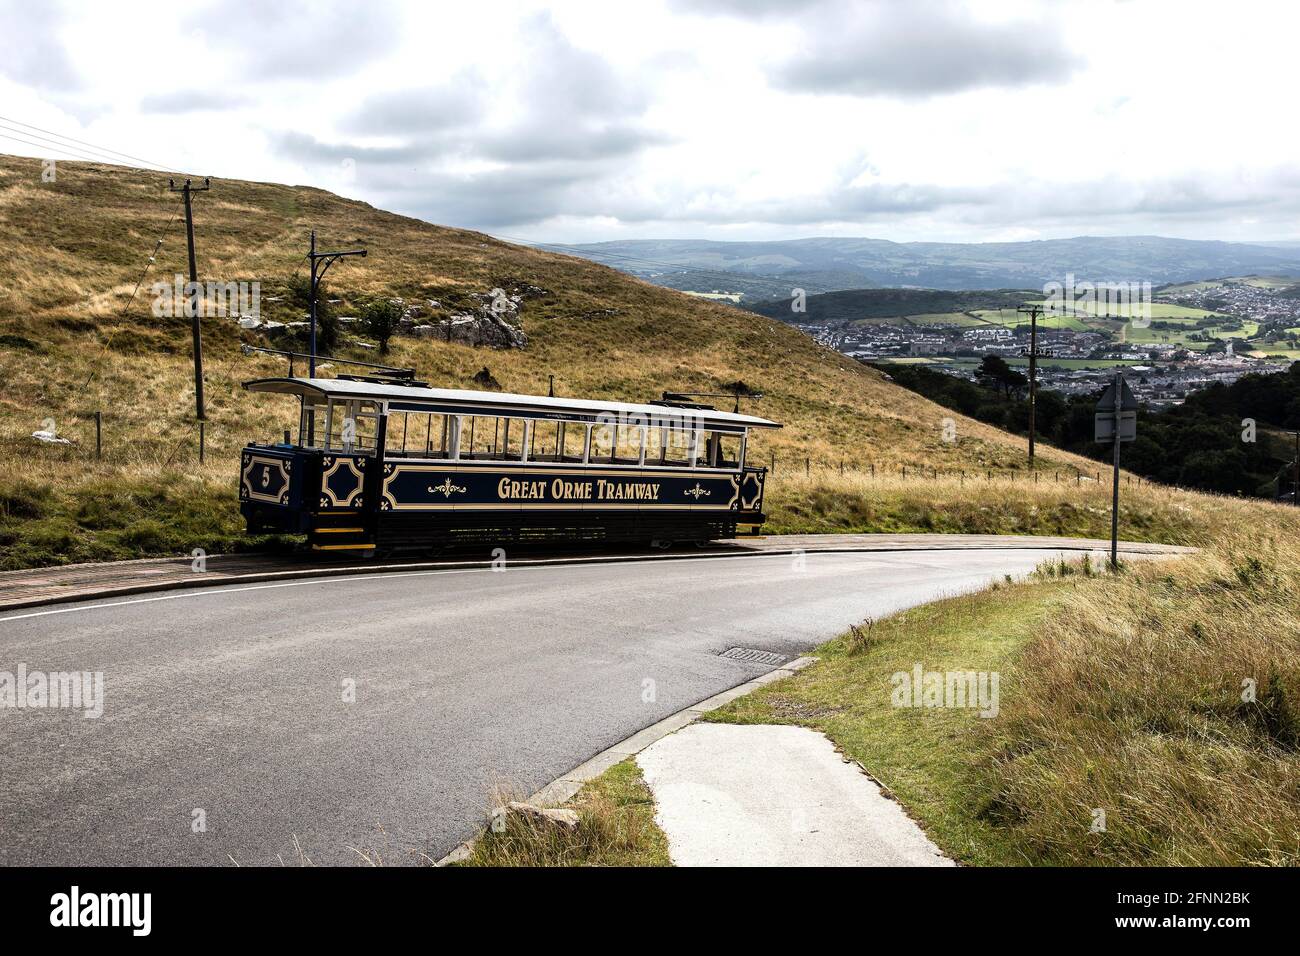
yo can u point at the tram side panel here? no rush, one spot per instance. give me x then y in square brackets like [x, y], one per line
[424, 501]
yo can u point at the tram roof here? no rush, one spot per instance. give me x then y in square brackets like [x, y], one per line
[501, 401]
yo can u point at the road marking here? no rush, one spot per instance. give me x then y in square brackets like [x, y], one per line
[204, 592]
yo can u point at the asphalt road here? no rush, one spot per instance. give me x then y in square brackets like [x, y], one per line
[230, 701]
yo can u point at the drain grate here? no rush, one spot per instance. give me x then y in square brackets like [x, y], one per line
[752, 656]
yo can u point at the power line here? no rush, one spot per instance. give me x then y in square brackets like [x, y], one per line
[104, 158]
[82, 142]
[68, 153]
[134, 292]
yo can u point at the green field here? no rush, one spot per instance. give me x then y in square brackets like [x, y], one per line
[1259, 282]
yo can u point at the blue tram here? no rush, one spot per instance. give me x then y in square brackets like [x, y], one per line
[392, 467]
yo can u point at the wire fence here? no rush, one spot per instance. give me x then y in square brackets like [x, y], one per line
[780, 466]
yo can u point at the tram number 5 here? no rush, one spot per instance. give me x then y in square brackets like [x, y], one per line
[266, 477]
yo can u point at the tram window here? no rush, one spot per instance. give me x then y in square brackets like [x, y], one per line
[729, 451]
[353, 427]
[654, 444]
[627, 447]
[602, 444]
[573, 440]
[545, 444]
[418, 435]
[489, 437]
[311, 427]
[705, 450]
[677, 447]
[513, 432]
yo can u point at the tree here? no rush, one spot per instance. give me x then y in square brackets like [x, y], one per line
[379, 319]
[994, 372]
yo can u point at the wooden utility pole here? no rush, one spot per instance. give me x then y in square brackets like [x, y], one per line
[1032, 312]
[196, 333]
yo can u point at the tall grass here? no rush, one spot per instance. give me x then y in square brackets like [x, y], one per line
[1169, 700]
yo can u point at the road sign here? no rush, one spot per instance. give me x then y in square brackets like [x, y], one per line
[1127, 401]
[1104, 426]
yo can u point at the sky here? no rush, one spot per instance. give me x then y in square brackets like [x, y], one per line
[929, 120]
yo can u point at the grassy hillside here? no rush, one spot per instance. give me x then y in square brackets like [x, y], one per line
[69, 345]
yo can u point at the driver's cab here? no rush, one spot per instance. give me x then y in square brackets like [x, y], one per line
[323, 471]
[348, 426]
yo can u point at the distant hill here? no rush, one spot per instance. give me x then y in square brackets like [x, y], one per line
[772, 269]
[855, 304]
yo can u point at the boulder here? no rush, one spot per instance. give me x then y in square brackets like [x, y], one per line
[556, 816]
[483, 379]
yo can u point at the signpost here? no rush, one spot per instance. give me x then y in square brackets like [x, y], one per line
[1115, 422]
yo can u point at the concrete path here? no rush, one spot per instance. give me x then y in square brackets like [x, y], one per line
[39, 587]
[774, 796]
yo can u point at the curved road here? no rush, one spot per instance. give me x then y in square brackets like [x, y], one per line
[231, 702]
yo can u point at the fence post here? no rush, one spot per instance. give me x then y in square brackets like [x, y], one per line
[807, 466]
[99, 431]
[873, 469]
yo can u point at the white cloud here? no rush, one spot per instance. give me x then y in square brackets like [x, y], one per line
[587, 120]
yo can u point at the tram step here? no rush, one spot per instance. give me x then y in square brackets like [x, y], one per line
[336, 531]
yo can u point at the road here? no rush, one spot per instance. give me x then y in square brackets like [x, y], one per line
[226, 706]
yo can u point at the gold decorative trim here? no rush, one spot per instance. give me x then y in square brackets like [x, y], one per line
[327, 498]
[246, 482]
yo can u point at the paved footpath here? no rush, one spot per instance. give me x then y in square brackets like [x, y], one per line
[759, 795]
[76, 582]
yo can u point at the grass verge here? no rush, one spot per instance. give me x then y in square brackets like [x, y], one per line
[616, 828]
[1165, 697]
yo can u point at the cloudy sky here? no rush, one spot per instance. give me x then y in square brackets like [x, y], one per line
[722, 119]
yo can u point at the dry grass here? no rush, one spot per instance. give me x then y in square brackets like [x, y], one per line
[1007, 503]
[1170, 699]
[616, 828]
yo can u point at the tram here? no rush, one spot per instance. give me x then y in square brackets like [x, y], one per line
[380, 466]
